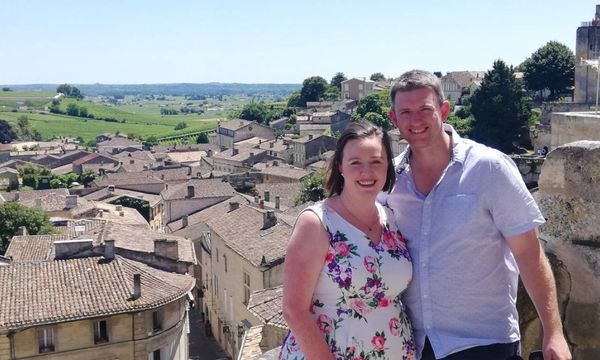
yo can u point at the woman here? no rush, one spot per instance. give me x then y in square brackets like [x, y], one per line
[346, 262]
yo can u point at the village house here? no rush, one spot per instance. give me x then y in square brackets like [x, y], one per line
[357, 88]
[9, 178]
[278, 196]
[284, 174]
[243, 252]
[230, 132]
[182, 199]
[109, 304]
[112, 194]
[237, 160]
[309, 148]
[327, 122]
[142, 181]
[117, 144]
[458, 85]
[96, 163]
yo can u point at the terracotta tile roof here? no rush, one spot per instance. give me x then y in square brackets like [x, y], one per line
[235, 124]
[75, 228]
[136, 178]
[203, 188]
[242, 231]
[266, 304]
[118, 141]
[186, 157]
[108, 196]
[287, 171]
[243, 154]
[66, 290]
[250, 349]
[464, 78]
[33, 247]
[287, 192]
[214, 211]
[24, 196]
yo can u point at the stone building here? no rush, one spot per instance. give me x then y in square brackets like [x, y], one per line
[58, 303]
[587, 47]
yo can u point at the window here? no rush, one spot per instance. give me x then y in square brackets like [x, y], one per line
[246, 288]
[225, 261]
[156, 325]
[46, 339]
[155, 355]
[100, 332]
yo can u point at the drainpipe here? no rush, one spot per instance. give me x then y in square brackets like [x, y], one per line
[11, 341]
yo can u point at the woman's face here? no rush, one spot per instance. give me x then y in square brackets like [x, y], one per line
[364, 166]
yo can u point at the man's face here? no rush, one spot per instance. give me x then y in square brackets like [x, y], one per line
[419, 117]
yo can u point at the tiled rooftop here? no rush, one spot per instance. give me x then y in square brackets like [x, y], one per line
[33, 248]
[36, 293]
[235, 124]
[242, 231]
[214, 211]
[287, 192]
[287, 171]
[203, 188]
[266, 304]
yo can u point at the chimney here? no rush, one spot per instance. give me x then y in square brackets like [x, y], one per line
[111, 188]
[17, 196]
[277, 202]
[38, 202]
[235, 152]
[64, 249]
[209, 153]
[23, 230]
[71, 201]
[269, 219]
[119, 207]
[310, 137]
[233, 205]
[109, 249]
[137, 286]
[162, 176]
[261, 204]
[190, 191]
[256, 198]
[100, 213]
[131, 161]
[166, 248]
[121, 213]
[102, 172]
[275, 163]
[251, 154]
[184, 221]
[267, 196]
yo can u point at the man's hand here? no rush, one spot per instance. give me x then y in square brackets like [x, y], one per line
[556, 348]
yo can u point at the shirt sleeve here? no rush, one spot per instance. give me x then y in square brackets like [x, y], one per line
[512, 207]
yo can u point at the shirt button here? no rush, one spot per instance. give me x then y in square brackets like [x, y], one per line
[425, 296]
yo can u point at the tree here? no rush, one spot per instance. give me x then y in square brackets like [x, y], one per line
[69, 91]
[87, 177]
[23, 126]
[202, 138]
[7, 134]
[377, 77]
[378, 103]
[31, 174]
[332, 93]
[14, 215]
[500, 110]
[313, 89]
[254, 111]
[312, 189]
[295, 100]
[180, 125]
[72, 109]
[5, 89]
[379, 120]
[336, 80]
[550, 67]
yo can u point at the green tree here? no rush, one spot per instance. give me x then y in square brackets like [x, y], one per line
[312, 189]
[377, 77]
[336, 80]
[7, 134]
[313, 89]
[550, 67]
[69, 91]
[72, 109]
[36, 135]
[180, 125]
[379, 120]
[83, 111]
[31, 174]
[378, 103]
[23, 126]
[332, 93]
[501, 110]
[202, 138]
[87, 177]
[254, 111]
[14, 215]
[295, 100]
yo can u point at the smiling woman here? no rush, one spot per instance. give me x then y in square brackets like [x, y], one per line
[346, 262]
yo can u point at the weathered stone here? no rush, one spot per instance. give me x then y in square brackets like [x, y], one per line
[569, 197]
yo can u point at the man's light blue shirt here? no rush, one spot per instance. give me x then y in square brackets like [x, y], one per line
[464, 287]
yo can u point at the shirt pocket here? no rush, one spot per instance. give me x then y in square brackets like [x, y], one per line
[456, 211]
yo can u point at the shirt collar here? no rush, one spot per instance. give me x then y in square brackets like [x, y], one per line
[457, 154]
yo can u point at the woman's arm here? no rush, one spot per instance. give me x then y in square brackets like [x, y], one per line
[304, 260]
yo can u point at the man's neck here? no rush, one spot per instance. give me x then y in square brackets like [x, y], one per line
[428, 164]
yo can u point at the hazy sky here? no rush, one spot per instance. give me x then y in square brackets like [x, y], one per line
[285, 41]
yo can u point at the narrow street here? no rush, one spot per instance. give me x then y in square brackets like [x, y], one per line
[202, 347]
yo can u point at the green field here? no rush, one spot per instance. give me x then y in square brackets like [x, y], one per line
[11, 98]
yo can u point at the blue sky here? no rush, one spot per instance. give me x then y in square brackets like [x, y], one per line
[285, 41]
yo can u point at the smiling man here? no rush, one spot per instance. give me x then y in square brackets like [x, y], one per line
[470, 225]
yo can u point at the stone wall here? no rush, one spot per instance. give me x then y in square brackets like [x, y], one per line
[541, 135]
[569, 197]
[529, 167]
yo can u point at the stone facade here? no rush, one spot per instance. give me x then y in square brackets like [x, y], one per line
[587, 48]
[569, 197]
[569, 127]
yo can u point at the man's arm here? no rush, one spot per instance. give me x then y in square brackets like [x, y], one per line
[537, 277]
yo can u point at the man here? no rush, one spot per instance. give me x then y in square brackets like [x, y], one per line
[469, 221]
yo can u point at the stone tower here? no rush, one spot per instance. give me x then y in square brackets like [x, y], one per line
[587, 48]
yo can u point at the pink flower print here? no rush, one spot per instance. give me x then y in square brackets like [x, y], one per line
[341, 249]
[400, 242]
[384, 302]
[394, 325]
[389, 241]
[359, 306]
[329, 257]
[378, 342]
[293, 344]
[371, 264]
[325, 323]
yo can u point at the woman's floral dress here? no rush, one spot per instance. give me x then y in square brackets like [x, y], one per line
[356, 302]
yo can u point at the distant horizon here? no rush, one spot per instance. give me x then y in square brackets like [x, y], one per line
[270, 42]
